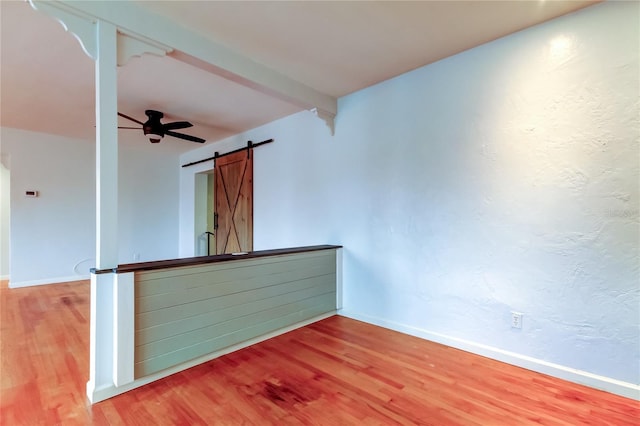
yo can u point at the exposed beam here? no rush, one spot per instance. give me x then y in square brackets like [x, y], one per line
[202, 52]
[80, 25]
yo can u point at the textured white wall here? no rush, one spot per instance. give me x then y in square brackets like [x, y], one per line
[503, 178]
[53, 236]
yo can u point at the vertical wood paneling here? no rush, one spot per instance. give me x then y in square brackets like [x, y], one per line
[185, 313]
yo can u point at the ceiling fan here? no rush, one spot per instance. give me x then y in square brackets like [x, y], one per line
[155, 130]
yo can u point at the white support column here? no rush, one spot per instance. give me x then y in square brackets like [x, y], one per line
[106, 147]
[100, 336]
[123, 329]
[111, 357]
[339, 279]
[103, 286]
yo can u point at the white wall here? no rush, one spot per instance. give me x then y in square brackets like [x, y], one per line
[503, 178]
[5, 203]
[54, 232]
[53, 236]
[148, 193]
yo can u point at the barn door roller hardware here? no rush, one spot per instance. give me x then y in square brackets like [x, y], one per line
[249, 146]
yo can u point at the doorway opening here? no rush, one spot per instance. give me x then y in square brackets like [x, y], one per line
[204, 229]
[223, 208]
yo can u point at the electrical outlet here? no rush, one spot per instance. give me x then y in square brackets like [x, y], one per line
[516, 319]
[136, 257]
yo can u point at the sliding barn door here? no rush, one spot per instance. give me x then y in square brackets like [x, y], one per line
[234, 202]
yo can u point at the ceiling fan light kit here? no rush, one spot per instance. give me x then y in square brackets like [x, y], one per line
[153, 138]
[154, 130]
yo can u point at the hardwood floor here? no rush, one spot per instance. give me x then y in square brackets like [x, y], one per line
[335, 372]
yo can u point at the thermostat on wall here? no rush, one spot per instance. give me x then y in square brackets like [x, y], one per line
[29, 193]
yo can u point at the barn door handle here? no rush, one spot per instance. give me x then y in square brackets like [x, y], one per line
[215, 221]
[209, 235]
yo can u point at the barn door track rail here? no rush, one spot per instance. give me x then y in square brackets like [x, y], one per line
[249, 146]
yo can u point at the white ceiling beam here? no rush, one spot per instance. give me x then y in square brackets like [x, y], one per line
[204, 53]
[78, 24]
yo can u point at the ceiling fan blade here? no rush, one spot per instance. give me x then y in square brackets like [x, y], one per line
[136, 128]
[185, 137]
[177, 125]
[130, 118]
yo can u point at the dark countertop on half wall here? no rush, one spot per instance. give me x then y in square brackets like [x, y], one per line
[200, 260]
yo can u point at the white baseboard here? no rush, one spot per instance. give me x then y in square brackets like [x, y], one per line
[4, 277]
[106, 392]
[56, 280]
[618, 387]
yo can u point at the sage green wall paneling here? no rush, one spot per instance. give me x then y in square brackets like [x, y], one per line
[160, 281]
[186, 313]
[257, 329]
[222, 309]
[181, 311]
[185, 292]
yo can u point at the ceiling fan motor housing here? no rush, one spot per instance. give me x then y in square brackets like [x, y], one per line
[153, 128]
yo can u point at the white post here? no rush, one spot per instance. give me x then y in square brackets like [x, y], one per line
[123, 329]
[101, 375]
[100, 337]
[112, 295]
[106, 147]
[339, 279]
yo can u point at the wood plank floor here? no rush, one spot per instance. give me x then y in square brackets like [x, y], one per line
[335, 372]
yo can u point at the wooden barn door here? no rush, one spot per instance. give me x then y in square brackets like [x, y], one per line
[233, 195]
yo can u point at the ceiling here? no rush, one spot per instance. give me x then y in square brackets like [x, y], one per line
[47, 82]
